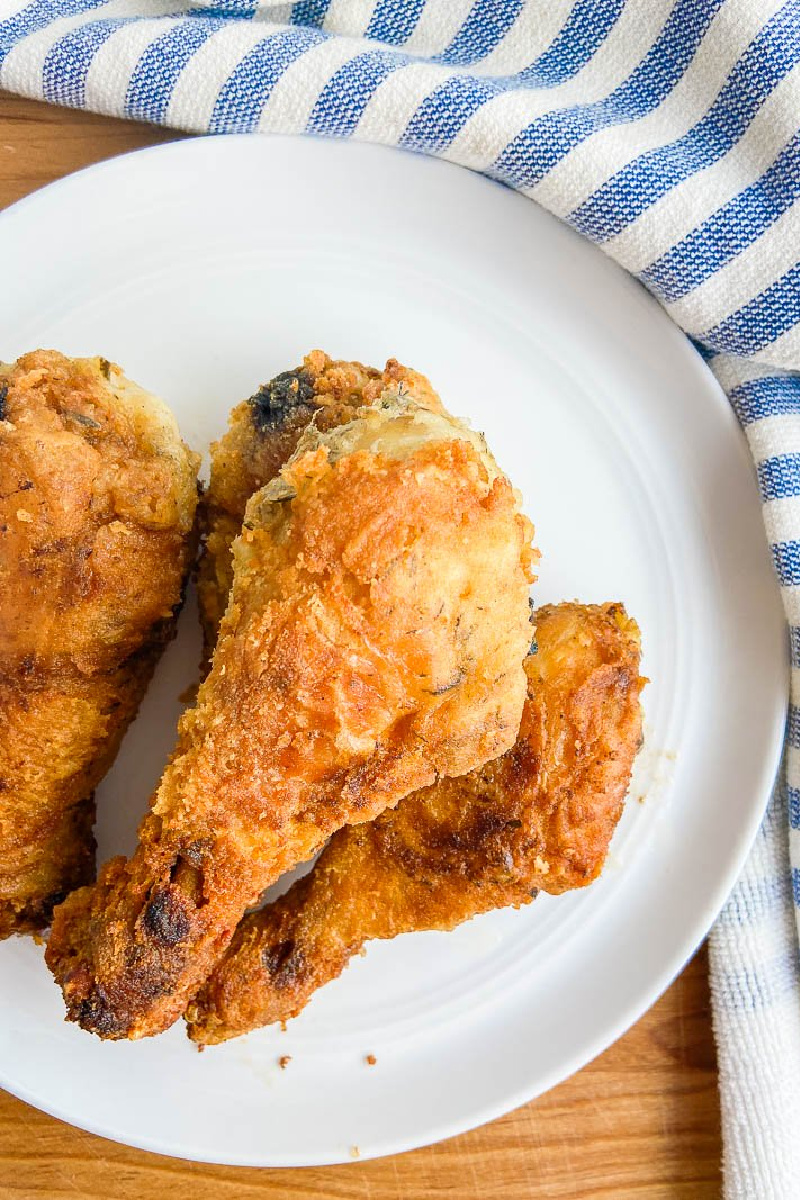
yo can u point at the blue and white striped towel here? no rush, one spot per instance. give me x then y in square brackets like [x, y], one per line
[667, 131]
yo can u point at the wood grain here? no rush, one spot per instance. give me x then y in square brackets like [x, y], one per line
[640, 1123]
[40, 143]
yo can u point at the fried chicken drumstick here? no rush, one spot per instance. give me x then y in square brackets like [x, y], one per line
[97, 507]
[454, 849]
[540, 817]
[374, 640]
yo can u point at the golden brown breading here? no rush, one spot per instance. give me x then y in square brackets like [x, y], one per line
[367, 882]
[97, 507]
[540, 817]
[374, 640]
[263, 433]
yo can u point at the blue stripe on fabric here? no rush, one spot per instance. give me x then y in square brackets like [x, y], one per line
[770, 396]
[756, 902]
[644, 180]
[748, 989]
[309, 12]
[154, 77]
[228, 8]
[796, 884]
[247, 89]
[487, 24]
[779, 477]
[786, 557]
[347, 93]
[793, 729]
[394, 23]
[762, 320]
[586, 28]
[794, 807]
[443, 114]
[547, 140]
[729, 231]
[67, 63]
[37, 16]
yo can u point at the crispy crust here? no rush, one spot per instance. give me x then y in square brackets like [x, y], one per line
[97, 508]
[540, 817]
[262, 435]
[374, 639]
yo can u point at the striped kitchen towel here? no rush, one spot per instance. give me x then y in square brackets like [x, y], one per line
[664, 130]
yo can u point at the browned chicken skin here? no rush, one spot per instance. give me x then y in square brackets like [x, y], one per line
[540, 817]
[97, 507]
[262, 435]
[373, 641]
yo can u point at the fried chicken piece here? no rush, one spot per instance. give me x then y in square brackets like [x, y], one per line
[374, 641]
[97, 508]
[262, 435]
[540, 817]
[259, 980]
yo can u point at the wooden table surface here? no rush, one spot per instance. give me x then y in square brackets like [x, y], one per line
[640, 1123]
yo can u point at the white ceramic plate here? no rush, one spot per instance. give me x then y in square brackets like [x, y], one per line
[204, 268]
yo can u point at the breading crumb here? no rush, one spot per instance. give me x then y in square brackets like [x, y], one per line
[284, 1061]
[370, 1060]
[355, 1152]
